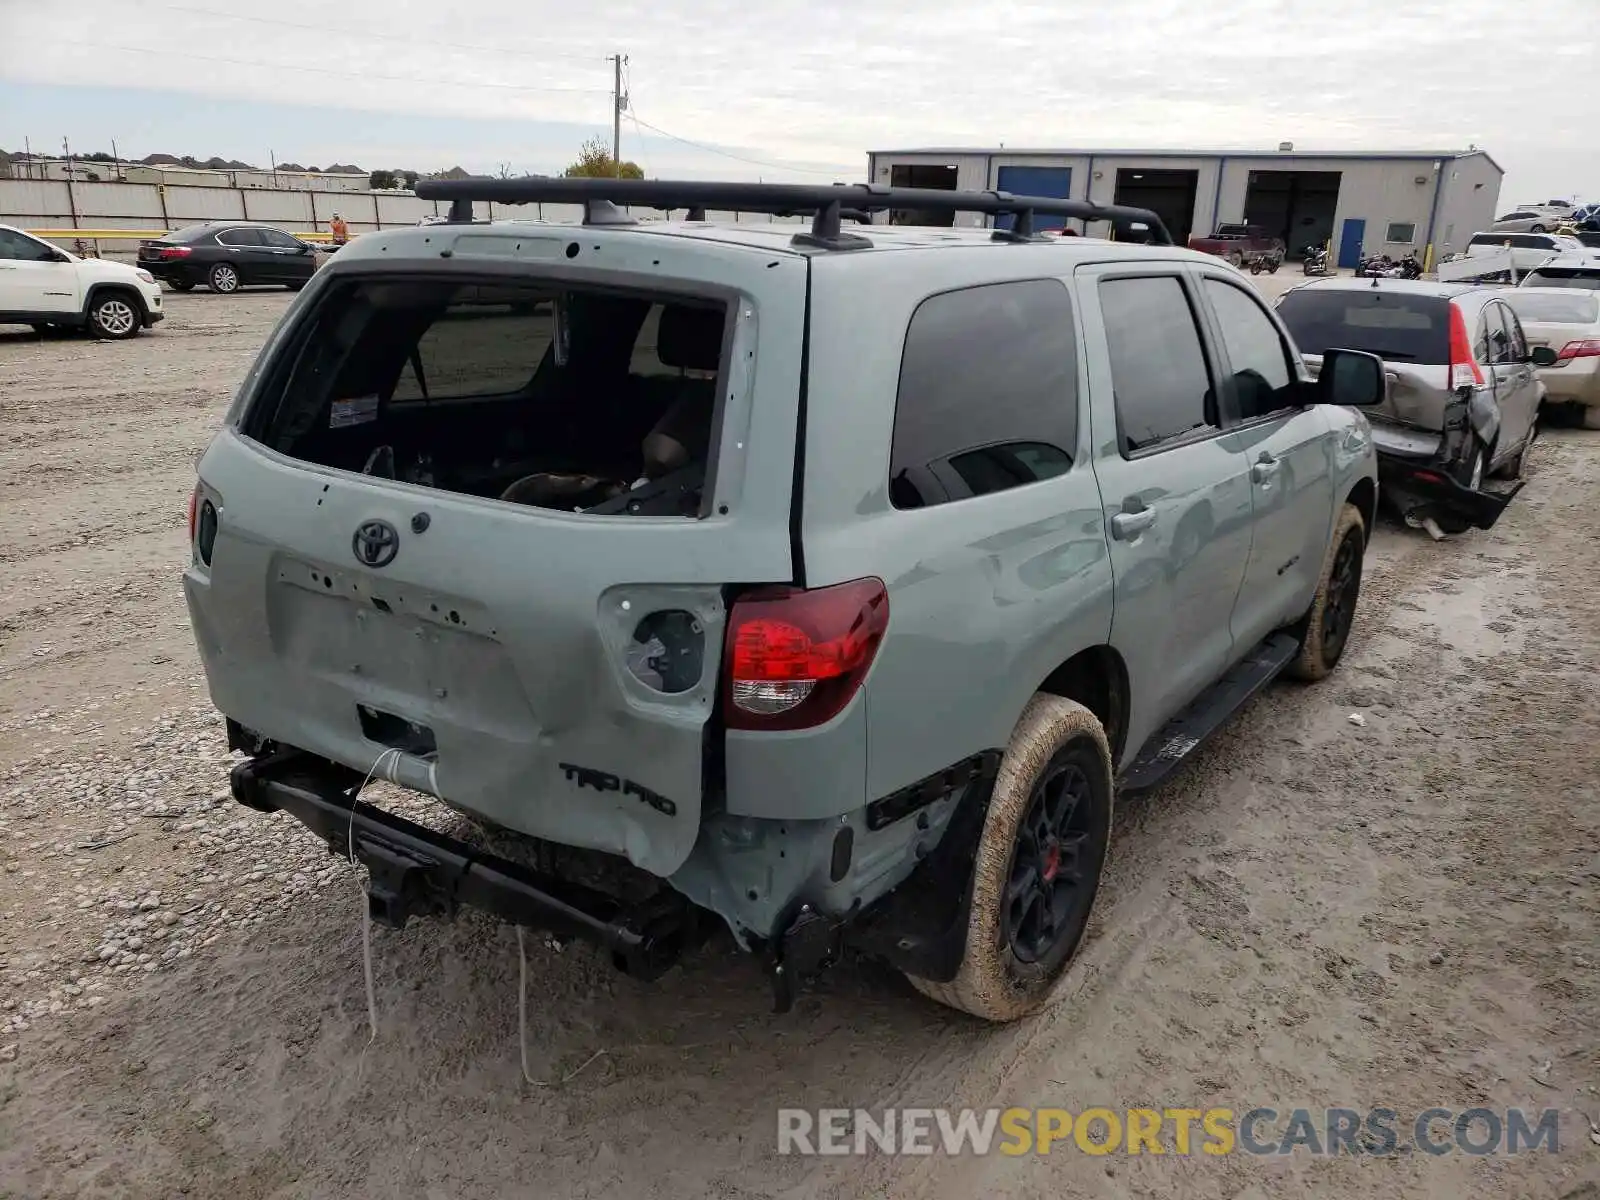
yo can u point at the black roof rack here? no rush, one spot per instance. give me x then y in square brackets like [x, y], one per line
[827, 205]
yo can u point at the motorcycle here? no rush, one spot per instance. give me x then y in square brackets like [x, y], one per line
[1314, 260]
[1381, 266]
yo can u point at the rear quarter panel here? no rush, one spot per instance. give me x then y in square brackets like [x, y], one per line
[986, 595]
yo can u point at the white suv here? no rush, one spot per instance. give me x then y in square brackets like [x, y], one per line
[46, 287]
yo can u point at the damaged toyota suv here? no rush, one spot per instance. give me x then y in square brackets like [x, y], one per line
[823, 580]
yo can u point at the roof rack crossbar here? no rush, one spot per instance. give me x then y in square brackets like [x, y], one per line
[827, 205]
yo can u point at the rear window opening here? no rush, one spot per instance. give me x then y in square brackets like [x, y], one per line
[1573, 308]
[1393, 325]
[539, 393]
[1564, 277]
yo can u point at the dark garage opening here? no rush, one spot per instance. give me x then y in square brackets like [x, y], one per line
[1169, 194]
[1297, 206]
[909, 175]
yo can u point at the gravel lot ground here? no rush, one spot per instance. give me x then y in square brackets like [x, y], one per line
[1398, 913]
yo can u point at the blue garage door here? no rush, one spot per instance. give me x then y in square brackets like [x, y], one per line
[1055, 182]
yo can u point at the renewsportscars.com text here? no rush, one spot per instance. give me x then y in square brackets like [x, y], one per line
[1179, 1131]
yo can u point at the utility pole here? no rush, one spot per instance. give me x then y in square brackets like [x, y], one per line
[619, 101]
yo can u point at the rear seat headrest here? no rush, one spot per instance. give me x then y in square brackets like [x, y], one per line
[690, 339]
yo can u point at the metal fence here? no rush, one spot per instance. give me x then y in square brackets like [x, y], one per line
[111, 218]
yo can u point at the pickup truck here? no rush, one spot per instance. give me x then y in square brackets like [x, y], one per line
[1243, 245]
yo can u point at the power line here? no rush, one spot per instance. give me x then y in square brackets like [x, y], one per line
[755, 162]
[278, 66]
[390, 37]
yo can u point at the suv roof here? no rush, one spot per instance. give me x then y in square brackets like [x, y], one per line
[779, 239]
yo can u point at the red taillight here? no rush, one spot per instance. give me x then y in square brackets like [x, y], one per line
[1462, 364]
[194, 508]
[176, 251]
[794, 658]
[1582, 348]
[1428, 477]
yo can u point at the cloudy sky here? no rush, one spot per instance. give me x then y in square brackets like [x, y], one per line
[801, 89]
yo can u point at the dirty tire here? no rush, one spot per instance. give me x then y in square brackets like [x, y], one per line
[1235, 260]
[1054, 739]
[1322, 643]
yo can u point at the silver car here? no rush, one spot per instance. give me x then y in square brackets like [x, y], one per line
[1567, 320]
[1463, 397]
[1532, 219]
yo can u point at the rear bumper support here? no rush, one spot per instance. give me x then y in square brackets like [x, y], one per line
[1429, 484]
[414, 871]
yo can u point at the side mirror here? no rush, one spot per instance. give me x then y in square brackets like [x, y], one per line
[1543, 356]
[1351, 378]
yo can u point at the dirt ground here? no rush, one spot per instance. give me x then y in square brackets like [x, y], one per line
[1399, 913]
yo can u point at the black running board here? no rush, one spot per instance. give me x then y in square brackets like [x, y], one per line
[1175, 741]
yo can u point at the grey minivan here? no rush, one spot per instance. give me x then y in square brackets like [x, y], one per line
[1463, 398]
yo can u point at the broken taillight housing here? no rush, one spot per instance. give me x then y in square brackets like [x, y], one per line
[795, 657]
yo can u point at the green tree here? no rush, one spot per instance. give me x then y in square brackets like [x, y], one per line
[595, 162]
[410, 178]
[380, 181]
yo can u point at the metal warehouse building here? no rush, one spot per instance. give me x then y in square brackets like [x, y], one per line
[1430, 201]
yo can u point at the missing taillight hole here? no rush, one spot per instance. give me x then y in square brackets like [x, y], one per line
[668, 651]
[382, 605]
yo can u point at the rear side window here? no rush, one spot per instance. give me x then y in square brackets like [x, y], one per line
[190, 233]
[1574, 309]
[240, 237]
[1403, 327]
[1563, 277]
[1159, 379]
[988, 393]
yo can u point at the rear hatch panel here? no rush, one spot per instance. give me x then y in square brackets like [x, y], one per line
[489, 662]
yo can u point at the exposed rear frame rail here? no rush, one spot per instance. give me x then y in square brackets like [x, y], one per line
[828, 205]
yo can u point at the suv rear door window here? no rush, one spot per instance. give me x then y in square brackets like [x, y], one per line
[1517, 343]
[1161, 384]
[988, 393]
[1261, 377]
[1402, 327]
[1498, 339]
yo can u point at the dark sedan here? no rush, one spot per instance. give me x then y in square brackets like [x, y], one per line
[228, 255]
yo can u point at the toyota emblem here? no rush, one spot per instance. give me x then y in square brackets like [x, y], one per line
[375, 543]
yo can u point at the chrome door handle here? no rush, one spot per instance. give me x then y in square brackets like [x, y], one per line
[1126, 526]
[1265, 468]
